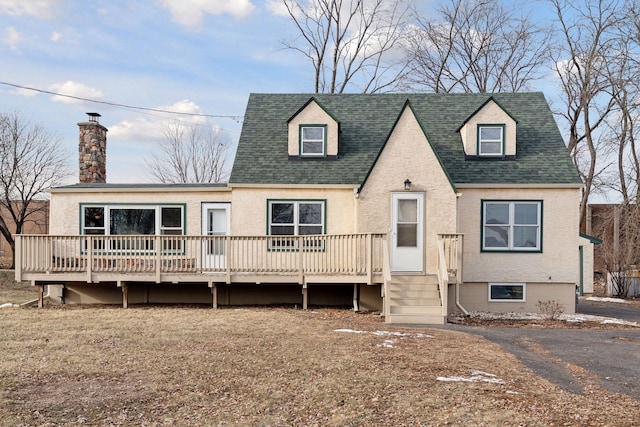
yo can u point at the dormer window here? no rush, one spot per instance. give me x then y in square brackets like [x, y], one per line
[313, 140]
[489, 133]
[491, 140]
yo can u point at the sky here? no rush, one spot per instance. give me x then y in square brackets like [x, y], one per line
[193, 56]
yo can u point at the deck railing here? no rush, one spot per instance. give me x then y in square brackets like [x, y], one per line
[452, 247]
[449, 265]
[348, 254]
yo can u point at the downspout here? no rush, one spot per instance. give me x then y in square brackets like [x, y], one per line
[462, 309]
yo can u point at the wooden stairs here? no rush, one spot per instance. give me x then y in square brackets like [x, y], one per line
[414, 299]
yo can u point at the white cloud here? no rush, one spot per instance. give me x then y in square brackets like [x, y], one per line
[277, 7]
[25, 92]
[12, 38]
[144, 129]
[139, 130]
[191, 12]
[74, 89]
[37, 8]
[56, 36]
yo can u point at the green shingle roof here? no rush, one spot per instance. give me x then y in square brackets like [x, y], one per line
[366, 121]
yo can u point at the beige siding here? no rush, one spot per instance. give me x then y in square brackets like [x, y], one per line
[408, 155]
[249, 208]
[558, 262]
[65, 207]
[475, 297]
[313, 114]
[491, 113]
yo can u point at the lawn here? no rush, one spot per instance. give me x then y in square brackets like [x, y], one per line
[197, 366]
[15, 292]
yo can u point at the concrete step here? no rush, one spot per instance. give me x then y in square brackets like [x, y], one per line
[410, 302]
[416, 309]
[417, 319]
[426, 293]
[409, 280]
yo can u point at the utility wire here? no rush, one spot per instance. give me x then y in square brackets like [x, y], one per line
[114, 104]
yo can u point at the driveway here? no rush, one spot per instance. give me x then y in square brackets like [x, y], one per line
[610, 357]
[630, 312]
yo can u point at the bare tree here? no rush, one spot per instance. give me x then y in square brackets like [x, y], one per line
[589, 41]
[475, 46]
[349, 42]
[31, 161]
[619, 227]
[190, 153]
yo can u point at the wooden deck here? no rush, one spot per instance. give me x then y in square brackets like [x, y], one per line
[353, 258]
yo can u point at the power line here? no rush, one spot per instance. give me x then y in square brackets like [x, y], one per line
[115, 104]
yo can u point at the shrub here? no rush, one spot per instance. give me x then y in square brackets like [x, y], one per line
[550, 309]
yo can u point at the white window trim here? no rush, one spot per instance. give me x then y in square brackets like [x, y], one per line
[158, 228]
[322, 140]
[511, 225]
[500, 140]
[524, 291]
[296, 220]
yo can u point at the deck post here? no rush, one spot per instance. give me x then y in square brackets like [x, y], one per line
[305, 296]
[369, 259]
[214, 295]
[125, 294]
[158, 248]
[355, 297]
[89, 259]
[18, 257]
[40, 295]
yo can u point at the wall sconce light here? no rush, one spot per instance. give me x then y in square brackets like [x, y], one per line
[407, 185]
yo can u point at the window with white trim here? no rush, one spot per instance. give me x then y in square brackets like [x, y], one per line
[295, 218]
[128, 220]
[512, 226]
[491, 140]
[507, 292]
[313, 140]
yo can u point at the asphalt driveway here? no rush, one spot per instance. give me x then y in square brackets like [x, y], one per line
[609, 309]
[611, 357]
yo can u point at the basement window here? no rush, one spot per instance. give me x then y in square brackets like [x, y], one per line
[509, 292]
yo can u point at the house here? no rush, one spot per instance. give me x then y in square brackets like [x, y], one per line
[414, 205]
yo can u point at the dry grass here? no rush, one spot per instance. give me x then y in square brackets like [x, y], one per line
[15, 292]
[160, 366]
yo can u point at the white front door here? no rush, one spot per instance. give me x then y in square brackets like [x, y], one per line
[407, 232]
[216, 221]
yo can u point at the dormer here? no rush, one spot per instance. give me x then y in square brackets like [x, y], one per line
[489, 133]
[313, 133]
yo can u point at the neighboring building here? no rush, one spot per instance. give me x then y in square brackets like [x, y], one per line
[617, 228]
[38, 223]
[415, 205]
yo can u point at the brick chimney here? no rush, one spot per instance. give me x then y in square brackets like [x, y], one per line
[93, 151]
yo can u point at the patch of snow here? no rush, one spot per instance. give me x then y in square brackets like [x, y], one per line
[476, 376]
[613, 321]
[387, 333]
[571, 318]
[387, 344]
[351, 331]
[607, 299]
[424, 336]
[9, 305]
